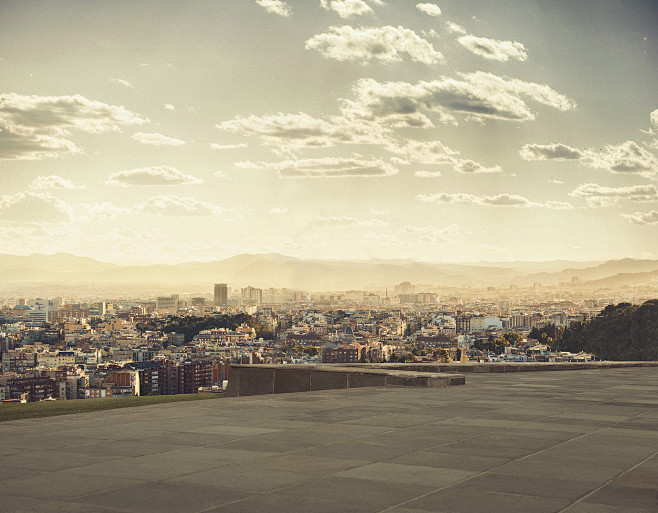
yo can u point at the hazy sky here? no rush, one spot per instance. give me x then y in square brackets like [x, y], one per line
[462, 130]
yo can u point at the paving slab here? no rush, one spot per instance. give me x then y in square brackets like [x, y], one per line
[578, 442]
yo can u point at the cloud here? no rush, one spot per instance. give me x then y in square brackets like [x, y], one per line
[156, 139]
[471, 167]
[498, 200]
[328, 167]
[177, 206]
[598, 196]
[427, 174]
[169, 106]
[429, 9]
[348, 221]
[628, 157]
[53, 182]
[642, 218]
[387, 44]
[123, 82]
[653, 117]
[31, 207]
[436, 153]
[215, 146]
[558, 205]
[424, 152]
[556, 182]
[454, 28]
[277, 210]
[275, 7]
[493, 49]
[36, 127]
[550, 152]
[432, 234]
[288, 132]
[479, 95]
[101, 212]
[347, 8]
[154, 175]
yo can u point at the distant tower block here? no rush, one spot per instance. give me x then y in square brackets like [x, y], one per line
[221, 294]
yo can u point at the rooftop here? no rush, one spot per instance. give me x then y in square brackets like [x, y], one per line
[577, 441]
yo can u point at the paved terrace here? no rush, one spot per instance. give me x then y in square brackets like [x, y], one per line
[577, 441]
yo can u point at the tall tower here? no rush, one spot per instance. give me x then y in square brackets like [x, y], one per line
[221, 294]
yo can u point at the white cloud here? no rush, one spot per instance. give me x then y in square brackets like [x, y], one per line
[101, 212]
[215, 146]
[472, 199]
[277, 210]
[471, 167]
[429, 9]
[556, 182]
[287, 132]
[346, 221]
[327, 167]
[600, 196]
[642, 218]
[493, 49]
[35, 127]
[53, 182]
[177, 206]
[123, 82]
[427, 174]
[478, 95]
[550, 152]
[454, 28]
[154, 175]
[31, 207]
[558, 205]
[424, 152]
[156, 139]
[387, 44]
[628, 157]
[653, 117]
[275, 7]
[347, 8]
[169, 106]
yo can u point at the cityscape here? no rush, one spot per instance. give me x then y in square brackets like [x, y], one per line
[318, 256]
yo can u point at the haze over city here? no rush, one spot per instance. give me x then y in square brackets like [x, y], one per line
[166, 132]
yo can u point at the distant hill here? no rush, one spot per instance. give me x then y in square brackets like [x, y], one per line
[274, 270]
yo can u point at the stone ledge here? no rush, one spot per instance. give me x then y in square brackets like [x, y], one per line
[280, 379]
[485, 367]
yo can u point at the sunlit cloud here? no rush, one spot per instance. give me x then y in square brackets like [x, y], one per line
[328, 167]
[154, 175]
[35, 127]
[32, 207]
[493, 49]
[156, 139]
[171, 205]
[650, 217]
[429, 9]
[53, 182]
[276, 7]
[385, 44]
[348, 8]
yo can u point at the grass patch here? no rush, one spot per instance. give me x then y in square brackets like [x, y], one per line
[54, 408]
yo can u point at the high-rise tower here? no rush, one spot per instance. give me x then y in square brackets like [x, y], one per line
[221, 294]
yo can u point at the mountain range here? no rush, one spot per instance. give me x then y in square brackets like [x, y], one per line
[274, 270]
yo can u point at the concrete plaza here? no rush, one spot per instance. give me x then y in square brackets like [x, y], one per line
[576, 441]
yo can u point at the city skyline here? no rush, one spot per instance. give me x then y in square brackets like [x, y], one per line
[154, 132]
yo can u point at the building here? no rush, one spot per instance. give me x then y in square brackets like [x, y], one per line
[221, 294]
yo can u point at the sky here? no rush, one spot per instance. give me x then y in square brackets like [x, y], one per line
[456, 131]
